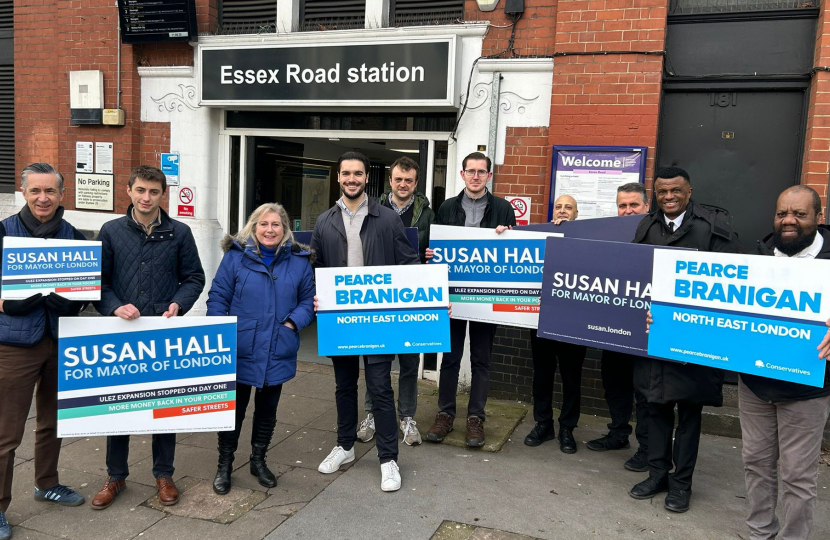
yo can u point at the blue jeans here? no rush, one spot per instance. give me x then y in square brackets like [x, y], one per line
[407, 386]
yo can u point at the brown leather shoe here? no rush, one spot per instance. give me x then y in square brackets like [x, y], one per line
[475, 432]
[168, 493]
[441, 427]
[108, 493]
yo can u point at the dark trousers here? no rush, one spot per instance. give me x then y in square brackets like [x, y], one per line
[661, 451]
[27, 371]
[118, 453]
[377, 370]
[547, 354]
[266, 400]
[618, 380]
[481, 348]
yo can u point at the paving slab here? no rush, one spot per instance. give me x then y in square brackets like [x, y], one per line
[502, 419]
[297, 487]
[450, 530]
[538, 492]
[313, 385]
[199, 501]
[125, 519]
[89, 455]
[308, 447]
[243, 478]
[27, 534]
[209, 440]
[299, 411]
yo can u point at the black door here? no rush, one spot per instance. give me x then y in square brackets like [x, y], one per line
[741, 150]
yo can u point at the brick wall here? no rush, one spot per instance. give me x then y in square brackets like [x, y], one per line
[608, 99]
[598, 99]
[53, 38]
[816, 164]
[534, 34]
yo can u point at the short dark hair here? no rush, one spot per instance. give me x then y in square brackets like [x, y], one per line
[634, 187]
[148, 173]
[671, 172]
[476, 155]
[356, 156]
[39, 168]
[801, 188]
[406, 164]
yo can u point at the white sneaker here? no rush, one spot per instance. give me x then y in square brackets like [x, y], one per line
[335, 459]
[390, 476]
[366, 431]
[411, 435]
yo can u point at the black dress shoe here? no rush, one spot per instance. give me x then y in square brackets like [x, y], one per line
[608, 442]
[567, 443]
[540, 433]
[648, 488]
[678, 500]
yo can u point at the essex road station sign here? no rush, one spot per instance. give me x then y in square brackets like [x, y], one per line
[414, 72]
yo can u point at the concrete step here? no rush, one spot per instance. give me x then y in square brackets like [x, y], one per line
[723, 421]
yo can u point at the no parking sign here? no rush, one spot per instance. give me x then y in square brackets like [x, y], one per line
[521, 208]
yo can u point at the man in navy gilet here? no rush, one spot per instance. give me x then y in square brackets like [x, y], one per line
[29, 349]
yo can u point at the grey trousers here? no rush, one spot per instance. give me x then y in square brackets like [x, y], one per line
[407, 386]
[781, 439]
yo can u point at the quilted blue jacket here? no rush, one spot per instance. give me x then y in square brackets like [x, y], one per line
[149, 272]
[263, 298]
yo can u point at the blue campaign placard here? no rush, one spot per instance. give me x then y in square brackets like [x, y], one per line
[71, 268]
[382, 310]
[759, 315]
[596, 293]
[148, 375]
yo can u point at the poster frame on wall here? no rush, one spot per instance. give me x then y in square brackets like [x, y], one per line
[589, 150]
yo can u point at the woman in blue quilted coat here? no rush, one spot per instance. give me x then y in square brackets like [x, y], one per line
[266, 281]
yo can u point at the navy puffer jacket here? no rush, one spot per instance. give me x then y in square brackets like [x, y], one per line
[149, 272]
[263, 298]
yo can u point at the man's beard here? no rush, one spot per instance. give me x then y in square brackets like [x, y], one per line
[795, 245]
[356, 195]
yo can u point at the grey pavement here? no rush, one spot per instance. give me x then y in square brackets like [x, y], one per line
[448, 492]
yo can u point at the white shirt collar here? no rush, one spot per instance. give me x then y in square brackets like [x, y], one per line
[810, 252]
[677, 221]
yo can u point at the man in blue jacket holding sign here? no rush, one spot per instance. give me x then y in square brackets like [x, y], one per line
[28, 349]
[150, 267]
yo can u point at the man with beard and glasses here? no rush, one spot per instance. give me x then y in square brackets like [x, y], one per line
[358, 231]
[782, 422]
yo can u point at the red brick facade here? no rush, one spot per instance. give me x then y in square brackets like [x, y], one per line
[816, 164]
[53, 38]
[598, 98]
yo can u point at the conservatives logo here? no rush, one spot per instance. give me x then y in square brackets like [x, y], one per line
[407, 344]
[759, 363]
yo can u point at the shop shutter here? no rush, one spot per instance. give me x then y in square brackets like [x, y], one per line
[7, 172]
[249, 16]
[332, 14]
[426, 12]
[678, 7]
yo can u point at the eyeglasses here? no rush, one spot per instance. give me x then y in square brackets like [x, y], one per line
[473, 172]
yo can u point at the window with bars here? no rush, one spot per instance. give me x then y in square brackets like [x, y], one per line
[7, 171]
[332, 14]
[679, 7]
[426, 12]
[248, 17]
